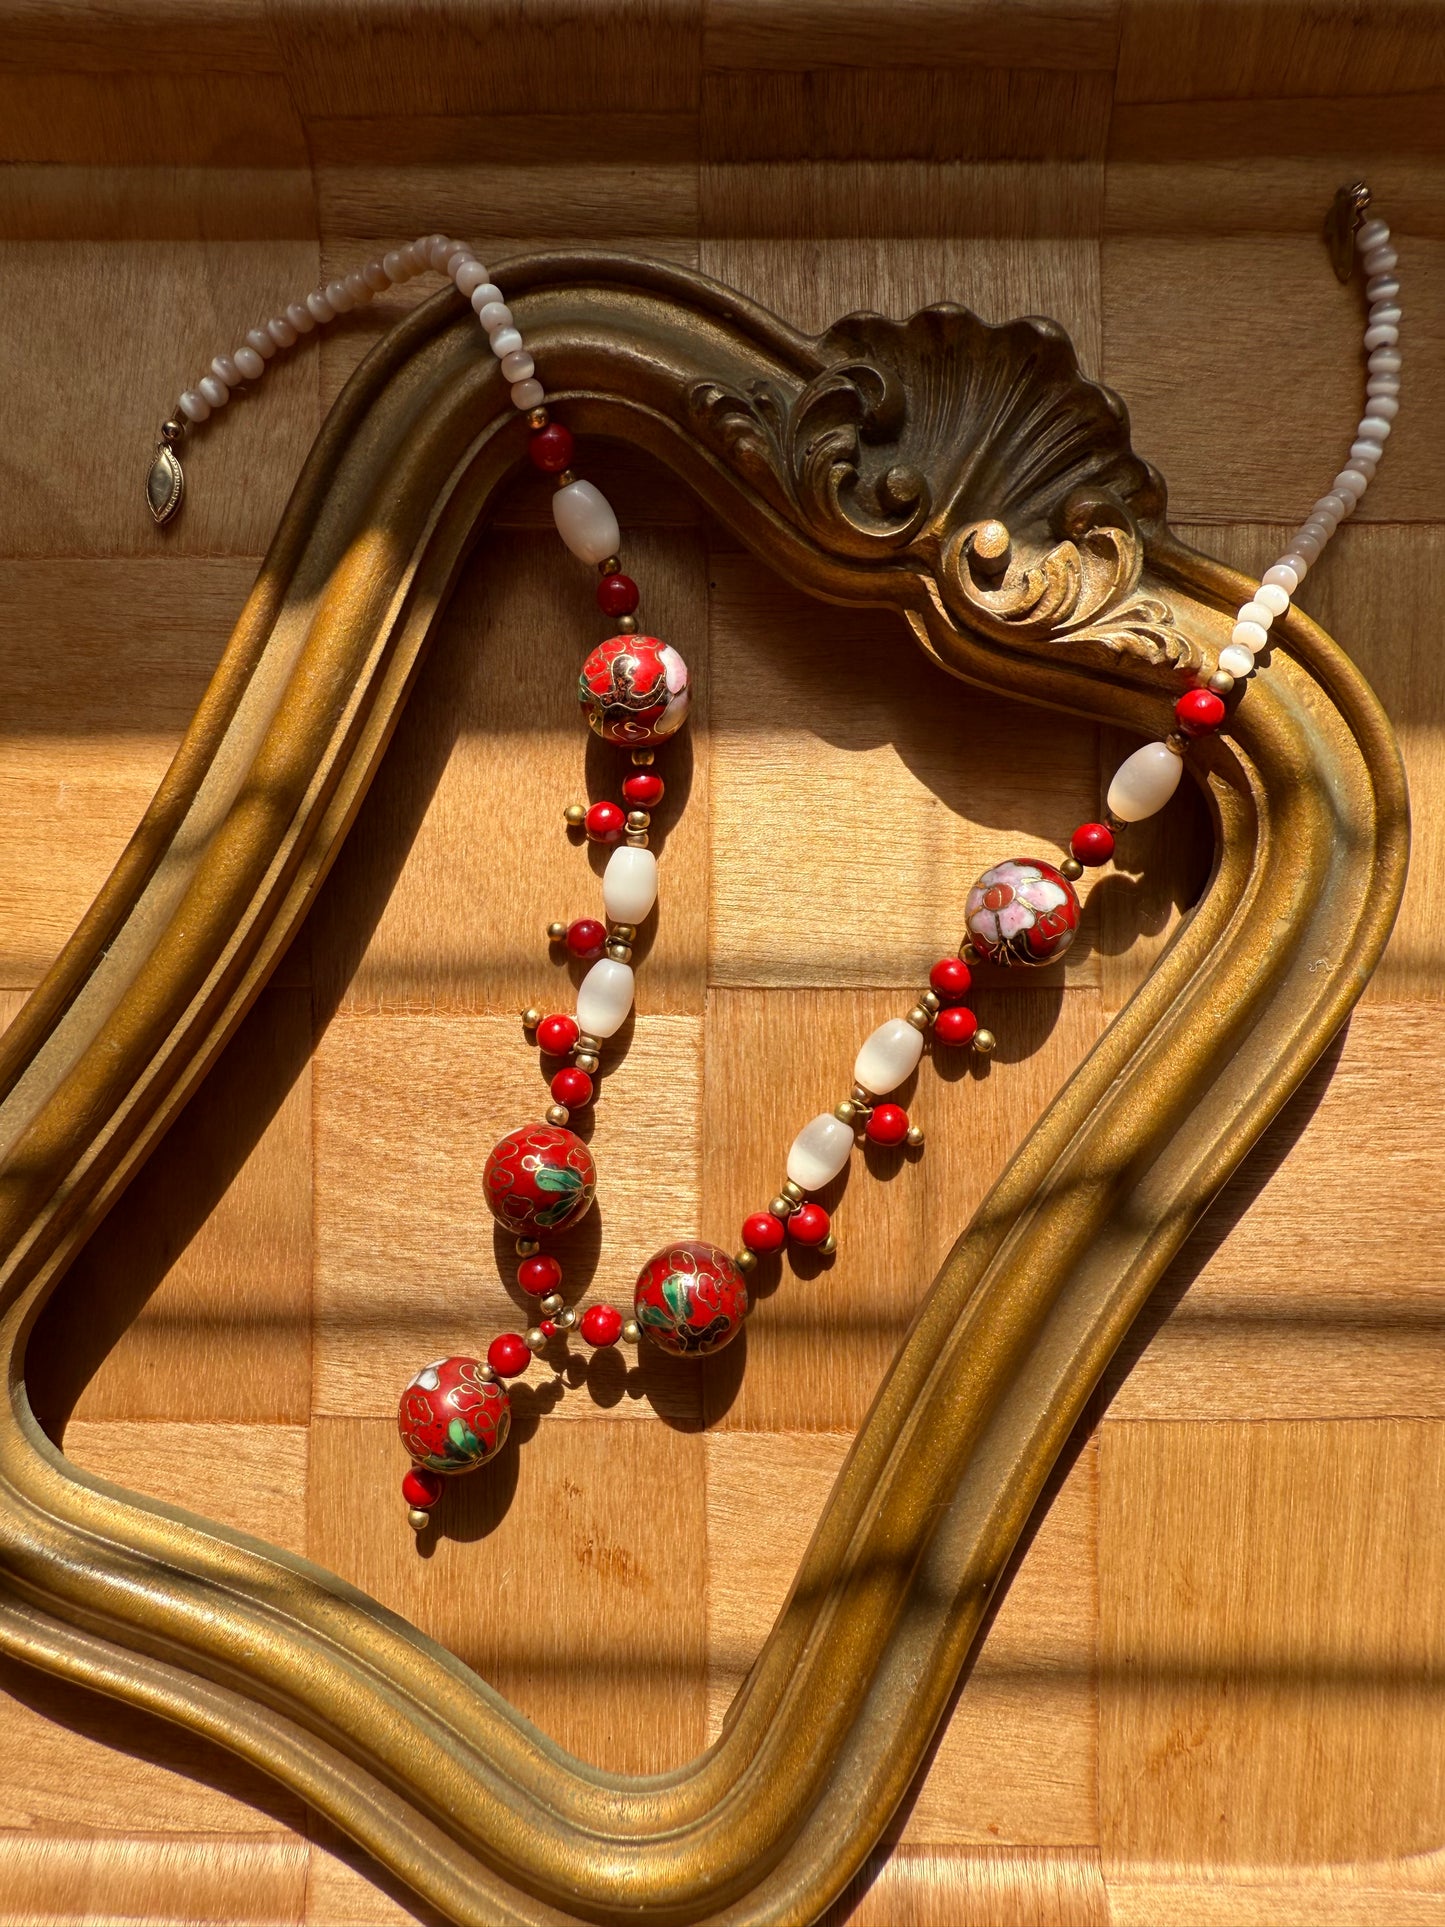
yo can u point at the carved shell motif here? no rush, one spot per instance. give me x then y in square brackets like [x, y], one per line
[981, 452]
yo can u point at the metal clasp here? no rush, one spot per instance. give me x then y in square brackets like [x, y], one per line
[1342, 223]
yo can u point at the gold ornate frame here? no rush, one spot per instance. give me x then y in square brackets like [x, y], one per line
[863, 466]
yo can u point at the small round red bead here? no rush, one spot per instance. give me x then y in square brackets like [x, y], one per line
[955, 1026]
[888, 1124]
[507, 1355]
[1199, 711]
[551, 448]
[586, 937]
[547, 1328]
[571, 1087]
[601, 1324]
[421, 1487]
[951, 978]
[762, 1232]
[1092, 844]
[557, 1035]
[605, 822]
[808, 1225]
[642, 789]
[539, 1275]
[616, 594]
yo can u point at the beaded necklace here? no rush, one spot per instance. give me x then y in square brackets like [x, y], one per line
[691, 1297]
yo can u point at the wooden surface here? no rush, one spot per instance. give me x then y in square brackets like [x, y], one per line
[1211, 1691]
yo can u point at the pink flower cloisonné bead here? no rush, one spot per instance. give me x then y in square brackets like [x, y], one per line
[539, 1178]
[691, 1298]
[451, 1418]
[634, 690]
[1022, 911]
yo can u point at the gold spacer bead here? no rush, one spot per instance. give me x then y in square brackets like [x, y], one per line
[531, 1017]
[792, 1190]
[576, 815]
[642, 757]
[920, 1018]
[638, 820]
[781, 1207]
[611, 566]
[846, 1112]
[171, 432]
[566, 1318]
[968, 951]
[537, 418]
[486, 1371]
[586, 1041]
[536, 1340]
[984, 1042]
[1221, 682]
[527, 1247]
[417, 1519]
[1179, 744]
[556, 931]
[637, 839]
[564, 478]
[552, 1303]
[1071, 868]
[618, 951]
[627, 625]
[914, 1137]
[829, 1244]
[745, 1260]
[1114, 823]
[557, 1114]
[631, 1331]
[931, 1000]
[863, 1099]
[625, 932]
[587, 1060]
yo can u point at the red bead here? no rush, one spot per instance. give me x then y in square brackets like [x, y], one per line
[557, 1035]
[642, 789]
[955, 1026]
[1092, 844]
[551, 448]
[539, 1275]
[605, 822]
[888, 1124]
[507, 1355]
[421, 1487]
[586, 937]
[951, 978]
[763, 1232]
[808, 1225]
[616, 594]
[571, 1087]
[602, 1324]
[1199, 711]
[547, 1328]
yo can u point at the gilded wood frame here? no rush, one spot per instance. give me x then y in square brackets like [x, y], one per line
[862, 465]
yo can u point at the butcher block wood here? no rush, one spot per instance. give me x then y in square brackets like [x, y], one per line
[1210, 1691]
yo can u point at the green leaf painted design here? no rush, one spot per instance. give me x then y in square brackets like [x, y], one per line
[462, 1441]
[553, 1177]
[677, 1290]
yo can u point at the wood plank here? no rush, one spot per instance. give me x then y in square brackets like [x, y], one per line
[1404, 1892]
[152, 119]
[1238, 49]
[1270, 1646]
[109, 1880]
[806, 34]
[978, 1887]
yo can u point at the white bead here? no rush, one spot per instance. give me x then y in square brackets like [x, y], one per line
[1271, 597]
[1145, 781]
[1256, 611]
[604, 997]
[486, 296]
[888, 1056]
[300, 317]
[439, 252]
[460, 255]
[585, 522]
[1372, 234]
[338, 297]
[1364, 464]
[819, 1152]
[518, 366]
[527, 394]
[281, 331]
[1250, 635]
[396, 265]
[493, 313]
[1310, 546]
[629, 884]
[1381, 388]
[375, 276]
[215, 392]
[1385, 361]
[1350, 481]
[1382, 287]
[1383, 407]
[1366, 451]
[1375, 428]
[359, 288]
[1235, 661]
[261, 341]
[224, 369]
[1282, 577]
[1385, 311]
[249, 364]
[415, 256]
[505, 341]
[1382, 334]
[470, 276]
[1380, 261]
[1297, 564]
[194, 406]
[318, 307]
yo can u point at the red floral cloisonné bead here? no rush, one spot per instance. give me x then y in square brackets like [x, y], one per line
[571, 1087]
[508, 1355]
[1092, 844]
[556, 1035]
[617, 595]
[422, 1488]
[809, 1224]
[762, 1232]
[451, 1418]
[634, 690]
[551, 448]
[951, 978]
[539, 1275]
[586, 938]
[1199, 711]
[539, 1178]
[691, 1298]
[601, 1324]
[887, 1124]
[955, 1026]
[643, 789]
[605, 822]
[1022, 911]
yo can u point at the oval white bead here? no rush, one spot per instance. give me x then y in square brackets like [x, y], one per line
[318, 307]
[1145, 781]
[585, 522]
[1282, 576]
[301, 317]
[224, 369]
[248, 363]
[1271, 597]
[1250, 635]
[215, 392]
[281, 331]
[629, 884]
[492, 313]
[262, 342]
[375, 276]
[339, 297]
[194, 406]
[1382, 334]
[1235, 662]
[1373, 233]
[1256, 611]
[1366, 451]
[1383, 260]
[1385, 361]
[518, 366]
[527, 394]
[819, 1152]
[505, 341]
[604, 997]
[1382, 287]
[1375, 428]
[888, 1056]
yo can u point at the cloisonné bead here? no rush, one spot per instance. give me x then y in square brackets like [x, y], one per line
[539, 1275]
[634, 689]
[1092, 844]
[604, 822]
[887, 1125]
[809, 1225]
[585, 937]
[1022, 911]
[690, 1298]
[957, 1025]
[451, 1418]
[571, 1087]
[601, 1325]
[556, 1035]
[762, 1232]
[508, 1355]
[951, 978]
[539, 1178]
